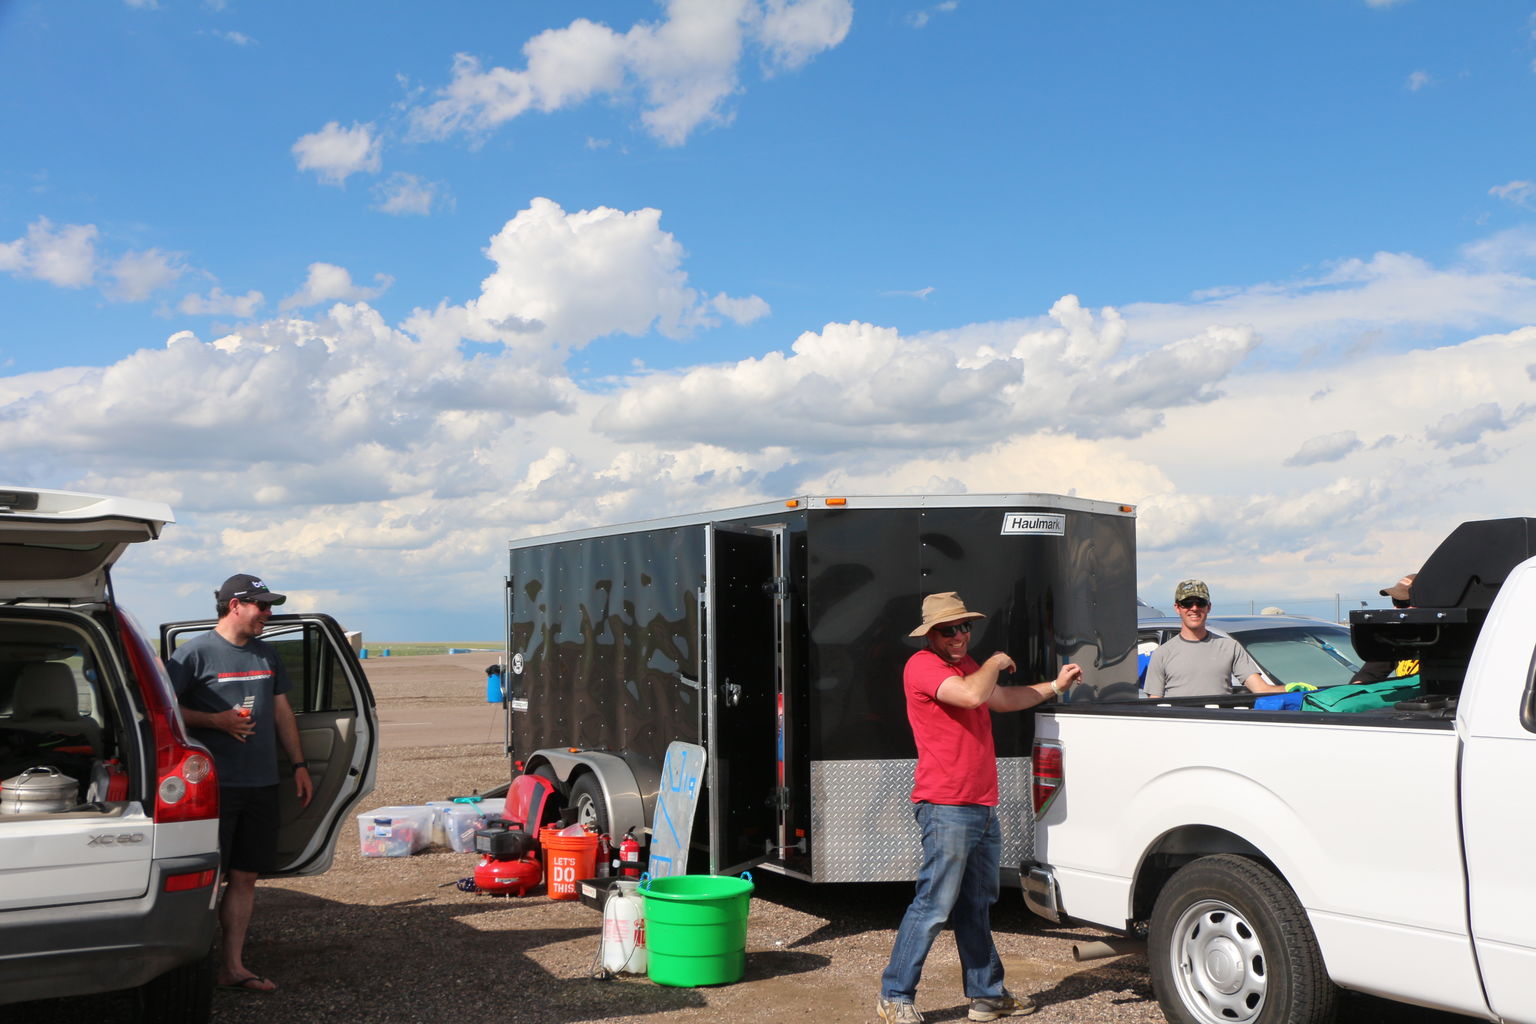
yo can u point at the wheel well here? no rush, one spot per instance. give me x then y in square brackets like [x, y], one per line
[614, 775]
[1175, 849]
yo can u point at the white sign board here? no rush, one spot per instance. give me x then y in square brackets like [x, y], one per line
[1038, 523]
[682, 776]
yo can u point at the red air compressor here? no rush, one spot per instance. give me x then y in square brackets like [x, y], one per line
[510, 862]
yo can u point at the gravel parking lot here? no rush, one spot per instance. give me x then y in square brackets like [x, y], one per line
[394, 941]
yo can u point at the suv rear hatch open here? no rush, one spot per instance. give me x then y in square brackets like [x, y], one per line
[70, 702]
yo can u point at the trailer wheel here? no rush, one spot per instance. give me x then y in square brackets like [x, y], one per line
[591, 806]
[1230, 944]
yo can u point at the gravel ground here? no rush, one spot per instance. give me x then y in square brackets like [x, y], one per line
[394, 941]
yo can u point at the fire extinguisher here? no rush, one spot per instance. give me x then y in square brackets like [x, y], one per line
[629, 855]
[605, 862]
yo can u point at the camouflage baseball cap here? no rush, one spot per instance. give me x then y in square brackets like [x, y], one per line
[1191, 588]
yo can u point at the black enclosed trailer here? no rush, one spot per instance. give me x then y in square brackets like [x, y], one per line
[774, 636]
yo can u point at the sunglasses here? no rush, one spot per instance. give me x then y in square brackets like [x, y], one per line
[1194, 602]
[949, 631]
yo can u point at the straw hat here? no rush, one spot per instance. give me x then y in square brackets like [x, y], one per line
[939, 608]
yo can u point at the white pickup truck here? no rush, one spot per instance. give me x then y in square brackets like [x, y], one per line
[1268, 858]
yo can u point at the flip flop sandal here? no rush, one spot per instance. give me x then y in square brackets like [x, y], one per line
[254, 983]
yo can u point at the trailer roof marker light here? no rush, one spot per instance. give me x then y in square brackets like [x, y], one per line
[837, 501]
[1127, 508]
[792, 503]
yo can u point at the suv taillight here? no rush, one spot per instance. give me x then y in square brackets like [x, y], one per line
[186, 787]
[1046, 763]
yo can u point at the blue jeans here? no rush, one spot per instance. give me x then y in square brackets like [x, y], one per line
[962, 848]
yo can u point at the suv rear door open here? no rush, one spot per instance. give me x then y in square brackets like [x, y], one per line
[338, 731]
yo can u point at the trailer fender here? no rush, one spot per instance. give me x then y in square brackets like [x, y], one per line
[621, 790]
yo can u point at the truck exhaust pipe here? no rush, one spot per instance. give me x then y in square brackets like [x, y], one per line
[1107, 948]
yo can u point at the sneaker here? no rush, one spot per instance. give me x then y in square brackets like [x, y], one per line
[893, 1012]
[1005, 1005]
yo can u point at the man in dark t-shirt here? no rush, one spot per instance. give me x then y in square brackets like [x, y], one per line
[233, 691]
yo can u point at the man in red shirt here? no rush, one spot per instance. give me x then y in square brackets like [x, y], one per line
[950, 699]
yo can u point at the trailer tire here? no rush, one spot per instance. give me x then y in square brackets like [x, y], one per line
[1229, 943]
[590, 803]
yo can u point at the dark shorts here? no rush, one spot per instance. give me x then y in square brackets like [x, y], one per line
[248, 827]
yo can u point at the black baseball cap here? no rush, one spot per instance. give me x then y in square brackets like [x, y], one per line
[247, 588]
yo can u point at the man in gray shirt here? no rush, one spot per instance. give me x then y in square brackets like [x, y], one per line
[233, 690]
[1198, 663]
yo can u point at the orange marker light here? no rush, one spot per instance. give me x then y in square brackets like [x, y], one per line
[837, 501]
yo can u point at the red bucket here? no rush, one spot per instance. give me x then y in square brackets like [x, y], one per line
[566, 860]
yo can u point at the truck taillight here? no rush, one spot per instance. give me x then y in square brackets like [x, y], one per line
[186, 786]
[1048, 779]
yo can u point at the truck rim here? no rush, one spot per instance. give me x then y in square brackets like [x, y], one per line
[1219, 964]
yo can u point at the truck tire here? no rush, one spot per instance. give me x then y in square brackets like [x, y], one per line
[182, 995]
[1230, 944]
[591, 806]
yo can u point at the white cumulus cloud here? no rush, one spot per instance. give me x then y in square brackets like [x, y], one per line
[1325, 448]
[218, 303]
[137, 275]
[1517, 192]
[336, 153]
[1467, 426]
[563, 279]
[329, 283]
[63, 256]
[403, 193]
[684, 67]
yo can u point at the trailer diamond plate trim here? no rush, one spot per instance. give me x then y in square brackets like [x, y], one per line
[862, 829]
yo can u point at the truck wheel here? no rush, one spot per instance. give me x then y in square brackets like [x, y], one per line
[1230, 944]
[182, 995]
[591, 806]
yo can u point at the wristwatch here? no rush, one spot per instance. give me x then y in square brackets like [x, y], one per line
[300, 764]
[1055, 689]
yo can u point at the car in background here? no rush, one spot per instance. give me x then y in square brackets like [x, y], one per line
[109, 810]
[1288, 648]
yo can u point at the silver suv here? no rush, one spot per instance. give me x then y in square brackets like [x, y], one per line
[109, 860]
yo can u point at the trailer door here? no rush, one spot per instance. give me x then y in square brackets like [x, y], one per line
[743, 721]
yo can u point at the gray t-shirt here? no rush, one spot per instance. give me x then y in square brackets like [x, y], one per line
[212, 674]
[1197, 668]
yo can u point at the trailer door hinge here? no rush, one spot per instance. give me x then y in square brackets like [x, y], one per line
[779, 798]
[777, 587]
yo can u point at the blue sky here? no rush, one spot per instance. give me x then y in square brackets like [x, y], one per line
[366, 290]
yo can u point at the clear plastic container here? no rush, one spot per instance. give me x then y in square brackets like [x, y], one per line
[460, 822]
[394, 831]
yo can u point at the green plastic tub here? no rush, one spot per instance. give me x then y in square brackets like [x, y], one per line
[696, 928]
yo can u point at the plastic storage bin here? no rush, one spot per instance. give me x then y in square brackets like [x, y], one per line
[394, 831]
[481, 808]
[460, 823]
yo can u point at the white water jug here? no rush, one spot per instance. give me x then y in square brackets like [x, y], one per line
[624, 930]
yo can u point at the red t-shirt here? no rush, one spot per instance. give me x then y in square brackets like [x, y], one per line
[956, 761]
